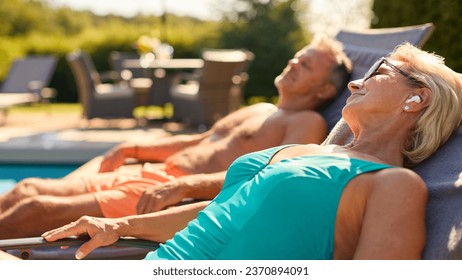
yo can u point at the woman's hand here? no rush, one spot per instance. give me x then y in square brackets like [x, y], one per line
[102, 231]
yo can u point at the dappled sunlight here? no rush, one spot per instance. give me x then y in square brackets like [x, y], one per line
[458, 183]
[454, 238]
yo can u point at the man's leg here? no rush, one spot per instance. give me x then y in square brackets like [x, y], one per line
[89, 168]
[54, 187]
[35, 186]
[35, 215]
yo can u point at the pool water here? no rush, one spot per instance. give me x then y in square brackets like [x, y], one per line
[6, 185]
[10, 174]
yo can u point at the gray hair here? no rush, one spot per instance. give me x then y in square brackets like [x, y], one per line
[342, 67]
[436, 122]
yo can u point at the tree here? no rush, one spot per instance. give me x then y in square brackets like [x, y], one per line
[20, 17]
[445, 15]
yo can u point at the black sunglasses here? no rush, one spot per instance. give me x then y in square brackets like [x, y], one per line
[377, 65]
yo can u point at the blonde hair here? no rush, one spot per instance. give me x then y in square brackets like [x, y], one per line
[342, 66]
[442, 116]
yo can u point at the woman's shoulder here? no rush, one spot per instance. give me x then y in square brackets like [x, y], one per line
[398, 180]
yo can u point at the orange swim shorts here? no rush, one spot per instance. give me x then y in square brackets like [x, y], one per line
[118, 193]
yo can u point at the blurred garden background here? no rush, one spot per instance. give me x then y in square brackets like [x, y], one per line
[272, 29]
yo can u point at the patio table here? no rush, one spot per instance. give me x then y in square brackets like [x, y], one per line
[163, 73]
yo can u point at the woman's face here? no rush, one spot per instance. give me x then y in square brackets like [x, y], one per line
[380, 94]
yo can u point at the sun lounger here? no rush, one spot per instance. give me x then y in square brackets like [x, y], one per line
[8, 100]
[27, 82]
[124, 248]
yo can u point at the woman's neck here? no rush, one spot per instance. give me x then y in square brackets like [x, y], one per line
[384, 143]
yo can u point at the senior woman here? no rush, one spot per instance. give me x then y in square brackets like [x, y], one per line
[319, 202]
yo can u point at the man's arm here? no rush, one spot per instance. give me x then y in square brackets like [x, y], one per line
[158, 152]
[198, 186]
[165, 147]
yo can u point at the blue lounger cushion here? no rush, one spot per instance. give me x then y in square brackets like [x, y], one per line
[442, 173]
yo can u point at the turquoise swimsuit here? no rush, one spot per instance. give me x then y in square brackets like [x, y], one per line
[285, 210]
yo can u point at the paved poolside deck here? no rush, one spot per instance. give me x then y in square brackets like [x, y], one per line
[65, 138]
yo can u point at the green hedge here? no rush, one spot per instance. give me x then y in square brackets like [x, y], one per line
[445, 15]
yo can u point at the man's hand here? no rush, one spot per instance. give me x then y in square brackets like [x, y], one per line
[160, 196]
[197, 186]
[113, 159]
[102, 231]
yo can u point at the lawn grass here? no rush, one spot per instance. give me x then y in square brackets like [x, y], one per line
[43, 108]
[75, 108]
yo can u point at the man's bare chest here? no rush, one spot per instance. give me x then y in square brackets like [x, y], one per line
[259, 130]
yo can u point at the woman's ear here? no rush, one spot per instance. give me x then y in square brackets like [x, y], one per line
[420, 99]
[426, 96]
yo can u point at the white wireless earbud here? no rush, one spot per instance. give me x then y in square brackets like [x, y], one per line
[415, 99]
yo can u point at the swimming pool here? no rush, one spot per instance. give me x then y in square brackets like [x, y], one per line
[12, 173]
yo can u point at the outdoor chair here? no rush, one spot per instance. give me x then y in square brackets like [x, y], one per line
[99, 100]
[442, 172]
[215, 91]
[27, 82]
[137, 78]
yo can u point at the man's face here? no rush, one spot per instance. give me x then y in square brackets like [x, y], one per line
[306, 73]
